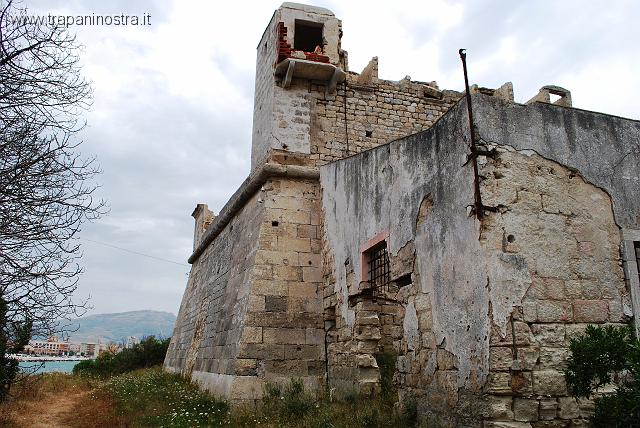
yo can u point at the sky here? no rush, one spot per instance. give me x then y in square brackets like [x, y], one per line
[171, 118]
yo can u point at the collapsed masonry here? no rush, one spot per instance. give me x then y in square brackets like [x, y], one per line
[353, 238]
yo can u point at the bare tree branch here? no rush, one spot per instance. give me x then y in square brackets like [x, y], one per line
[46, 186]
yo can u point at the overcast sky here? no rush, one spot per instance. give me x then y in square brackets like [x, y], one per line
[171, 118]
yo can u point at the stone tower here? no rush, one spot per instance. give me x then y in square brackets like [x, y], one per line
[253, 311]
[300, 44]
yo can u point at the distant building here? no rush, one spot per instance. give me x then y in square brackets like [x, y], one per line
[131, 341]
[90, 350]
[51, 346]
[74, 347]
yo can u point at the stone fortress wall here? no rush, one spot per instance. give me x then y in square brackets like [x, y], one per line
[479, 312]
[261, 318]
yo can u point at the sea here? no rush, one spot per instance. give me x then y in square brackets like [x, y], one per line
[36, 367]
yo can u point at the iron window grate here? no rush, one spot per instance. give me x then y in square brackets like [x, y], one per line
[379, 272]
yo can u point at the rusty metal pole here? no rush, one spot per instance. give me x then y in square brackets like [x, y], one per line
[476, 179]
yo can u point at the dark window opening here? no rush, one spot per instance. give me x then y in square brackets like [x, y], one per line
[404, 280]
[379, 272]
[369, 133]
[275, 223]
[307, 36]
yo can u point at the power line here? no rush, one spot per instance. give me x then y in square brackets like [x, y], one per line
[135, 252]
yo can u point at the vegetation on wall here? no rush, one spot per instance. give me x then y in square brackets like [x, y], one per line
[605, 356]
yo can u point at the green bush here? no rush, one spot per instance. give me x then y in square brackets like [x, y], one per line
[606, 355]
[292, 400]
[148, 353]
[296, 401]
[387, 363]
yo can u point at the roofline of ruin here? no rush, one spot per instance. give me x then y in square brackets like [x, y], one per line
[246, 191]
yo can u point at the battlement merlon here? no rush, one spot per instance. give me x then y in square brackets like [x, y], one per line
[203, 218]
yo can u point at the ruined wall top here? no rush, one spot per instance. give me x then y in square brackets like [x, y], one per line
[309, 33]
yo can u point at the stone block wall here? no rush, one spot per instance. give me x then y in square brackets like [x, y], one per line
[557, 269]
[361, 116]
[251, 312]
[310, 121]
[207, 336]
[485, 322]
[283, 327]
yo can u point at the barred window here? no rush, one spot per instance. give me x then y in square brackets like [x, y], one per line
[378, 268]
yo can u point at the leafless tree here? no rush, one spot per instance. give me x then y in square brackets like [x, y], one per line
[46, 186]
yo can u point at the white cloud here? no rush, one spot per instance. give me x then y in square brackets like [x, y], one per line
[171, 121]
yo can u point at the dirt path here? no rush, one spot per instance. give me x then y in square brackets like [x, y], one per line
[51, 410]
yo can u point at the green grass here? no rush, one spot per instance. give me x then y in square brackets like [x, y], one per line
[151, 397]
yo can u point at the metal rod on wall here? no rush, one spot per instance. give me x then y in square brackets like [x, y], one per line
[476, 181]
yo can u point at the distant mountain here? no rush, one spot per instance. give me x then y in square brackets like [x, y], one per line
[119, 326]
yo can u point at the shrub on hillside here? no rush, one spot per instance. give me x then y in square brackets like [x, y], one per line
[606, 355]
[149, 352]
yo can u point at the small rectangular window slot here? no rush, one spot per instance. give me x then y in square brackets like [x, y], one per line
[330, 318]
[403, 281]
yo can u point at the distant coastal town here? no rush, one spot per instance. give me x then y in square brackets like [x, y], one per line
[54, 349]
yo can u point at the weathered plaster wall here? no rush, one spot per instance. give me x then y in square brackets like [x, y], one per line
[493, 304]
[444, 353]
[604, 149]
